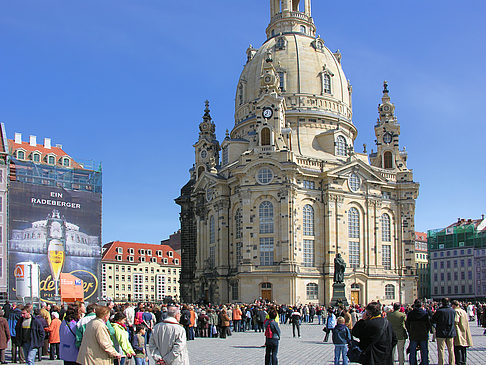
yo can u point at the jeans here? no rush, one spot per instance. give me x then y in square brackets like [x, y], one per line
[54, 354]
[424, 352]
[294, 325]
[271, 351]
[319, 318]
[306, 320]
[190, 334]
[340, 350]
[282, 318]
[29, 354]
[139, 361]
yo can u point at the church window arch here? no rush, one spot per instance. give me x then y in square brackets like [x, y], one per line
[266, 217]
[340, 146]
[308, 220]
[200, 171]
[265, 136]
[390, 291]
[241, 93]
[281, 78]
[385, 228]
[238, 224]
[303, 29]
[212, 230]
[354, 237]
[388, 160]
[312, 291]
[326, 83]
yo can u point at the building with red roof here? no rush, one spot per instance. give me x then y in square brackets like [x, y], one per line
[139, 272]
[422, 265]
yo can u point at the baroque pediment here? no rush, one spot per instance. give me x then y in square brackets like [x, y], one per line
[363, 170]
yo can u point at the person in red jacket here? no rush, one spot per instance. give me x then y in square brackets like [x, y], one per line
[54, 338]
[4, 336]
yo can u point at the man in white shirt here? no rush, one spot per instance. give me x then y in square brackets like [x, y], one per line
[167, 345]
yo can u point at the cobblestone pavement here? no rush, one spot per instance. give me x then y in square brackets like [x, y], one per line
[244, 348]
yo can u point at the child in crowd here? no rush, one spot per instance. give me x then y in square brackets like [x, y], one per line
[139, 345]
[340, 337]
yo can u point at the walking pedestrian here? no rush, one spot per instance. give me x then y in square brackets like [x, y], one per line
[17, 351]
[168, 345]
[29, 334]
[444, 319]
[54, 338]
[330, 323]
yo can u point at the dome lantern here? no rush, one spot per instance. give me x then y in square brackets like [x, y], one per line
[290, 16]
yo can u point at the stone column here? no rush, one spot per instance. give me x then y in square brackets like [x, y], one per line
[286, 5]
[308, 8]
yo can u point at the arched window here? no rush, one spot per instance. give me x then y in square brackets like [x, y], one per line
[266, 217]
[51, 160]
[308, 220]
[238, 224]
[303, 29]
[385, 228]
[280, 44]
[212, 230]
[200, 171]
[240, 93]
[21, 155]
[326, 83]
[265, 136]
[36, 157]
[390, 291]
[308, 253]
[281, 78]
[340, 146]
[388, 160]
[312, 291]
[353, 235]
[354, 286]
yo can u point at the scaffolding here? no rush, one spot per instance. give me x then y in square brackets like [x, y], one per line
[87, 177]
[465, 235]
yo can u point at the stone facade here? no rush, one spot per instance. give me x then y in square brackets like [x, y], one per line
[4, 150]
[422, 265]
[289, 192]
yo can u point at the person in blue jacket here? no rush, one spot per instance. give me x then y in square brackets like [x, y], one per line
[13, 317]
[29, 334]
[341, 335]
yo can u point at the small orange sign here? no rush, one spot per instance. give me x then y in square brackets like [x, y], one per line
[19, 271]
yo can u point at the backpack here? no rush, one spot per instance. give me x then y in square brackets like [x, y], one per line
[185, 318]
[268, 330]
[138, 318]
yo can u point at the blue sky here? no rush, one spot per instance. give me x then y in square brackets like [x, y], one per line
[124, 83]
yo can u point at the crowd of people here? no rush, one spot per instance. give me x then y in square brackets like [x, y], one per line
[111, 334]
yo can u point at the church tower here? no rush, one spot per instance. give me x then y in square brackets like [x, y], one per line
[387, 132]
[290, 191]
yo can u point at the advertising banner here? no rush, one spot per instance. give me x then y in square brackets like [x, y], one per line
[58, 229]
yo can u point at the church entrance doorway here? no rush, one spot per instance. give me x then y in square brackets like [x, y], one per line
[266, 291]
[355, 289]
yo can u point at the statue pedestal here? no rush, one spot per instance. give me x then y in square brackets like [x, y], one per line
[339, 295]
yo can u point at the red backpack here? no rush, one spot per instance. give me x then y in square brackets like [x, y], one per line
[138, 318]
[268, 330]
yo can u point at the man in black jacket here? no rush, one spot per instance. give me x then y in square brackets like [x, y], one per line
[29, 334]
[418, 326]
[445, 329]
[376, 336]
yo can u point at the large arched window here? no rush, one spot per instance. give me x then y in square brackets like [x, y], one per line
[353, 235]
[212, 230]
[385, 228]
[340, 146]
[238, 224]
[266, 217]
[312, 291]
[265, 136]
[390, 291]
[388, 160]
[308, 220]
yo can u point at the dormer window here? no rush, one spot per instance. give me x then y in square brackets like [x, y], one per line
[326, 84]
[36, 157]
[149, 252]
[340, 146]
[170, 253]
[280, 44]
[119, 250]
[21, 155]
[51, 160]
[66, 162]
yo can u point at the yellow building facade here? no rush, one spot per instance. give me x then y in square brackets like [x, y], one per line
[266, 210]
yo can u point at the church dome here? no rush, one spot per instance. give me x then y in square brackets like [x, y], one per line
[311, 76]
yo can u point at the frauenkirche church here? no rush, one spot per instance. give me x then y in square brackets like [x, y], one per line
[266, 210]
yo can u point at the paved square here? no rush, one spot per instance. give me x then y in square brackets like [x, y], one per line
[244, 348]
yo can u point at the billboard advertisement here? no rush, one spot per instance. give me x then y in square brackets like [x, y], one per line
[58, 229]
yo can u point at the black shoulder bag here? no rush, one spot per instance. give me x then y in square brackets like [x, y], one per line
[355, 353]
